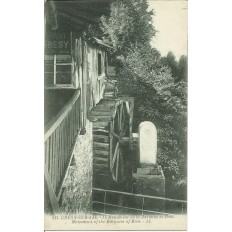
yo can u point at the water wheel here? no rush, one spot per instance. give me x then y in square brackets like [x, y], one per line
[112, 134]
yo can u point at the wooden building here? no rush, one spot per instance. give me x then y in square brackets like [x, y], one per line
[74, 80]
[73, 62]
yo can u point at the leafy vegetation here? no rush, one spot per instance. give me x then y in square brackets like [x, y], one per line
[179, 69]
[157, 83]
[128, 25]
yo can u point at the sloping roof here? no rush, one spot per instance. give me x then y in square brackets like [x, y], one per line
[75, 15]
[101, 43]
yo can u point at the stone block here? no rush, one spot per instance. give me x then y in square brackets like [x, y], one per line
[150, 180]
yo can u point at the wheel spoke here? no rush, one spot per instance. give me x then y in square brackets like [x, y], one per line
[121, 166]
[117, 166]
[120, 121]
[128, 107]
[112, 123]
[119, 126]
[115, 135]
[123, 121]
[115, 154]
[123, 116]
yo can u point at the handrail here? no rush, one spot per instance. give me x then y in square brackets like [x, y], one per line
[125, 207]
[55, 122]
[60, 139]
[162, 210]
[141, 195]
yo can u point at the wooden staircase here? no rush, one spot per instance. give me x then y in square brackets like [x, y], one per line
[101, 117]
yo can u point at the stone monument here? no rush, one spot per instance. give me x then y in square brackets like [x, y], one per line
[147, 143]
[149, 178]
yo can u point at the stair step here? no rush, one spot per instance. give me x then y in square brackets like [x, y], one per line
[102, 108]
[109, 94]
[100, 160]
[110, 103]
[94, 118]
[100, 168]
[110, 86]
[100, 132]
[101, 138]
[101, 125]
[98, 153]
[101, 146]
[100, 113]
[101, 165]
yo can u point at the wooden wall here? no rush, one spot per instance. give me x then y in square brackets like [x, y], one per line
[92, 85]
[84, 75]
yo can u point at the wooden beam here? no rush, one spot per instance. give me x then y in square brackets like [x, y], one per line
[51, 192]
[66, 171]
[55, 122]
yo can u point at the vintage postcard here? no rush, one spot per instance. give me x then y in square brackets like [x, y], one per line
[115, 110]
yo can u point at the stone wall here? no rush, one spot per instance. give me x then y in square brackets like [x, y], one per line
[76, 197]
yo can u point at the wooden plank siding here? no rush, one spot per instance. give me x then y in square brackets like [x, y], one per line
[97, 82]
[85, 75]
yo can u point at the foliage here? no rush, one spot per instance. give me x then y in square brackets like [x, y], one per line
[145, 75]
[179, 68]
[160, 100]
[183, 68]
[129, 24]
[173, 64]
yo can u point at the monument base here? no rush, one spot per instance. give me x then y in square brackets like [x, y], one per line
[149, 180]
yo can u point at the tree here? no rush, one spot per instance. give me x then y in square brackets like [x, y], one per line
[172, 63]
[183, 68]
[129, 25]
[179, 69]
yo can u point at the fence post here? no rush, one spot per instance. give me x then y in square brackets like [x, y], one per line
[105, 202]
[142, 205]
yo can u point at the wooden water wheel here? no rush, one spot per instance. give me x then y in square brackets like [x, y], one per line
[112, 138]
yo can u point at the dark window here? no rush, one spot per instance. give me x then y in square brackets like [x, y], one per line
[63, 74]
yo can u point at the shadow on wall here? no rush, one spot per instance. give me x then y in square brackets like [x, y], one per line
[54, 101]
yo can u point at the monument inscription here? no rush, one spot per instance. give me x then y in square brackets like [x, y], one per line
[147, 143]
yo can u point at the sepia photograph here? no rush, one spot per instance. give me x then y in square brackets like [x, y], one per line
[115, 114]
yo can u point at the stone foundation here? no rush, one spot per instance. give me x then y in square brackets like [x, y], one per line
[76, 197]
[150, 180]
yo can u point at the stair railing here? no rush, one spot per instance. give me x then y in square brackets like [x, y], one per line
[60, 138]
